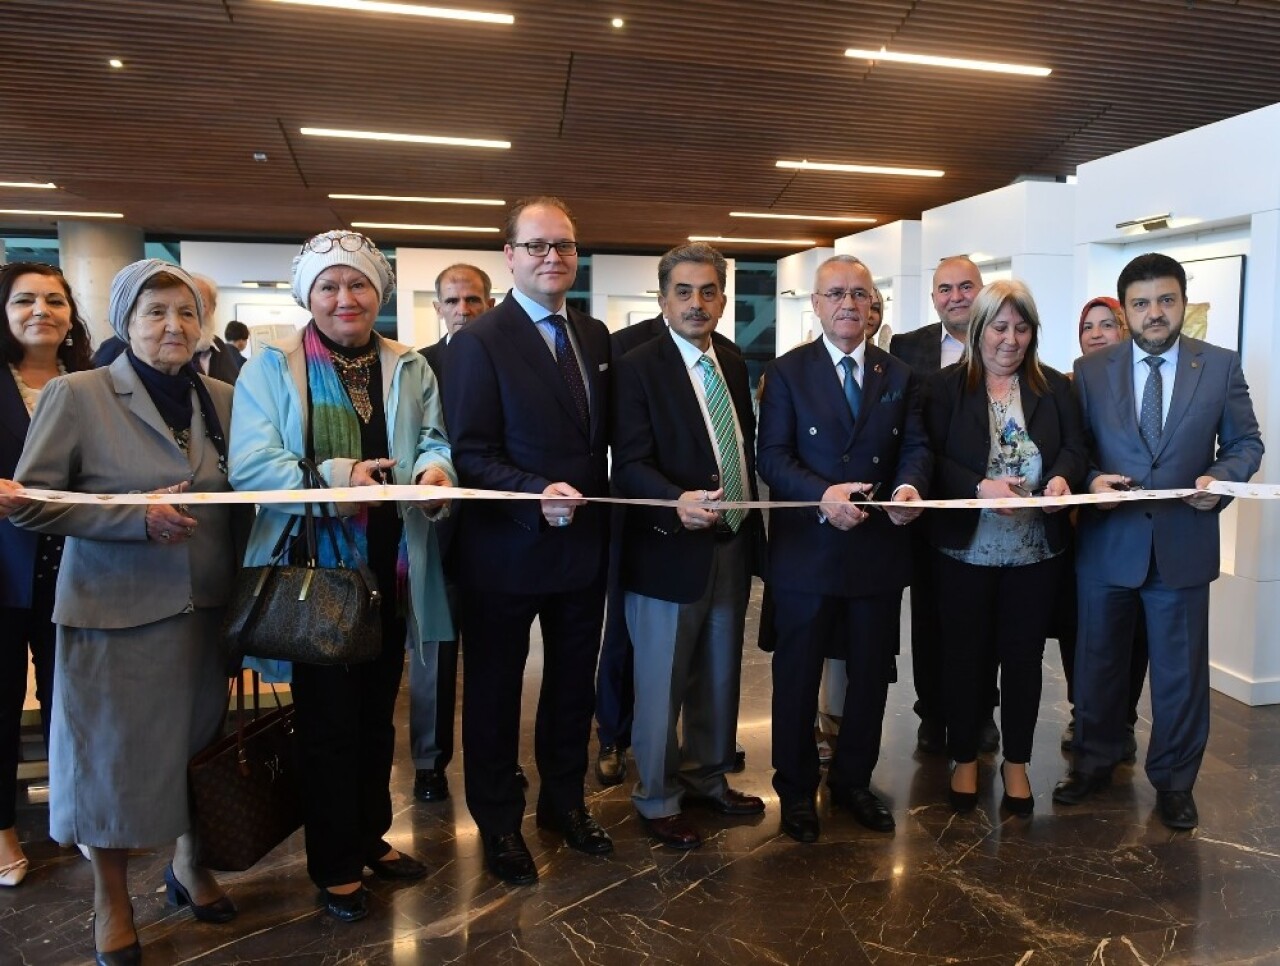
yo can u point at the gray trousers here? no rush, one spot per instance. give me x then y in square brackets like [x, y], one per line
[433, 692]
[688, 668]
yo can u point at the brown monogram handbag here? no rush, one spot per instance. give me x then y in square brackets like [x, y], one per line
[245, 787]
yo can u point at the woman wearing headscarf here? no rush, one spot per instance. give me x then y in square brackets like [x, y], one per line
[43, 338]
[1001, 424]
[1102, 324]
[367, 411]
[140, 685]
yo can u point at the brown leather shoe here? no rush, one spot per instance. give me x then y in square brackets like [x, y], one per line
[674, 831]
[734, 802]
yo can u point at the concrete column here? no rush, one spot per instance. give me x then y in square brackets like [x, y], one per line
[91, 254]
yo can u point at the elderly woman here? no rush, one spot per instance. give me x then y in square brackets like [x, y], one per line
[44, 338]
[1000, 425]
[366, 410]
[140, 685]
[1101, 324]
[878, 334]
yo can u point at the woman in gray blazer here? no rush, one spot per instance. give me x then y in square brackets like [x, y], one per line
[140, 684]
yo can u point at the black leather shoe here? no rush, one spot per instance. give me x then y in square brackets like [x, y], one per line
[1130, 753]
[1018, 806]
[221, 909]
[1177, 810]
[430, 785]
[404, 868]
[674, 831]
[865, 806]
[733, 803]
[508, 858]
[580, 831]
[800, 821]
[989, 737]
[349, 908]
[129, 956]
[1078, 786]
[931, 737]
[611, 765]
[961, 802]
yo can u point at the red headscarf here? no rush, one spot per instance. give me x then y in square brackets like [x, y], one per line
[1093, 303]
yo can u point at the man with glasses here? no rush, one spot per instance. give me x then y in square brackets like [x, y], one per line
[956, 281]
[463, 293]
[526, 403]
[839, 422]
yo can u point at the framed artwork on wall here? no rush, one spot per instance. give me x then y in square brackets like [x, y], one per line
[1215, 300]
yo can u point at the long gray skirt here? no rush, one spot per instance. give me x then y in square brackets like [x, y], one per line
[131, 707]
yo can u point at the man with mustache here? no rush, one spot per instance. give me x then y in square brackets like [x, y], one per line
[1164, 411]
[839, 421]
[683, 430]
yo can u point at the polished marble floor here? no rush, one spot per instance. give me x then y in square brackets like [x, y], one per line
[1104, 883]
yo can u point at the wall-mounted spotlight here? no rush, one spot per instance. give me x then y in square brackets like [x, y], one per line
[1148, 222]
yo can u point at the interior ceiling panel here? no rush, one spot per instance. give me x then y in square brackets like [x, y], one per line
[651, 132]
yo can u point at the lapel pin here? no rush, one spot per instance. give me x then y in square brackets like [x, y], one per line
[1195, 365]
[877, 368]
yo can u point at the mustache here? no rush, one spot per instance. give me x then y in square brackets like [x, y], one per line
[696, 315]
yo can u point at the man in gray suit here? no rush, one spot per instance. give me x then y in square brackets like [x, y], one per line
[1163, 411]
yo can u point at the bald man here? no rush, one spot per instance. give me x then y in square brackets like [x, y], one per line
[956, 281]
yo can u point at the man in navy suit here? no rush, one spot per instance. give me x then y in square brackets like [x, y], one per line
[463, 292]
[526, 403]
[1164, 411]
[956, 281]
[683, 429]
[839, 421]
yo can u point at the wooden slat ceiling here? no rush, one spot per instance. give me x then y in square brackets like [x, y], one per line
[651, 133]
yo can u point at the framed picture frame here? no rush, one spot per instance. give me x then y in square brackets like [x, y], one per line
[1215, 300]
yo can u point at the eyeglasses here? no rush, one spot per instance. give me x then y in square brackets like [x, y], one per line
[348, 241]
[540, 249]
[837, 295]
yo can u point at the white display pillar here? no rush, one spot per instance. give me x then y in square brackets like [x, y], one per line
[91, 254]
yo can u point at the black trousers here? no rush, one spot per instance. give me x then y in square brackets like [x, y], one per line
[810, 627]
[495, 648]
[25, 629]
[615, 678]
[346, 743]
[1000, 611]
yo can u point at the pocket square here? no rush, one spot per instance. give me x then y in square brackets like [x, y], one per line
[604, 366]
[892, 395]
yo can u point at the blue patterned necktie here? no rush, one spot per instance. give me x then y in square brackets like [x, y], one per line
[1150, 419]
[852, 391]
[568, 364]
[720, 409]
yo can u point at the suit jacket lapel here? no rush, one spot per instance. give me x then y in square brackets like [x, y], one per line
[826, 383]
[872, 385]
[13, 411]
[1187, 378]
[529, 345]
[1120, 377]
[1029, 402]
[676, 376]
[596, 403]
[127, 383]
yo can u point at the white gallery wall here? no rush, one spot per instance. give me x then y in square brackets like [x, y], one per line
[796, 321]
[892, 252]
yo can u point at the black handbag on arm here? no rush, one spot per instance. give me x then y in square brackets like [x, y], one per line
[304, 612]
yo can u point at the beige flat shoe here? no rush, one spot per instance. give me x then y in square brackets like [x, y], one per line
[13, 874]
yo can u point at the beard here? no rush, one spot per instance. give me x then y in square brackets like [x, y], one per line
[1156, 346]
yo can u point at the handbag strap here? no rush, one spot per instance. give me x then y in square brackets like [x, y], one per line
[331, 521]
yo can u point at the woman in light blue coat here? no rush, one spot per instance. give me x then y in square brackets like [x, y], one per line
[366, 410]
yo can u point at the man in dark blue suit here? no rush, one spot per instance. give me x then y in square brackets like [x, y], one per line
[839, 421]
[1163, 411]
[463, 293]
[526, 403]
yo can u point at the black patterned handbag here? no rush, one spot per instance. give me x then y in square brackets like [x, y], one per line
[303, 612]
[245, 787]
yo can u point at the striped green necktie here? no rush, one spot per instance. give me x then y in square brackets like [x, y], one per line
[720, 408]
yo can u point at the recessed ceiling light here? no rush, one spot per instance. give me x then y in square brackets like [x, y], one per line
[44, 185]
[958, 63]
[61, 214]
[862, 169]
[408, 9]
[618, 23]
[422, 201]
[784, 217]
[328, 132]
[259, 155]
[752, 241]
[116, 63]
[392, 226]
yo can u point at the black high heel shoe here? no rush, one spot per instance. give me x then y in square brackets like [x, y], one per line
[961, 801]
[1018, 806]
[221, 909]
[128, 956]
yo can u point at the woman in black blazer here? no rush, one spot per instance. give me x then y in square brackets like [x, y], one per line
[1000, 425]
[42, 338]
